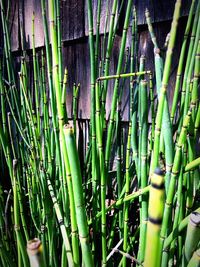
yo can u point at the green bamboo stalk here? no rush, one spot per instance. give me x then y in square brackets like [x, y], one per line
[92, 110]
[3, 107]
[61, 223]
[97, 35]
[119, 161]
[156, 208]
[112, 232]
[165, 81]
[193, 175]
[64, 93]
[108, 54]
[101, 63]
[182, 225]
[131, 197]
[132, 60]
[16, 121]
[181, 60]
[136, 38]
[133, 239]
[43, 159]
[166, 123]
[30, 119]
[139, 108]
[124, 75]
[103, 176]
[24, 74]
[50, 80]
[35, 75]
[122, 85]
[192, 237]
[150, 28]
[62, 138]
[143, 167]
[20, 240]
[195, 80]
[192, 165]
[78, 196]
[9, 64]
[194, 262]
[117, 18]
[171, 252]
[46, 119]
[75, 103]
[59, 37]
[151, 96]
[189, 59]
[197, 121]
[127, 188]
[116, 86]
[19, 191]
[190, 146]
[190, 69]
[183, 202]
[175, 172]
[134, 92]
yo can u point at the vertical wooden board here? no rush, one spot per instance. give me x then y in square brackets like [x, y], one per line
[31, 6]
[13, 25]
[146, 48]
[77, 61]
[105, 15]
[72, 16]
[140, 9]
[113, 69]
[69, 63]
[83, 77]
[160, 10]
[185, 7]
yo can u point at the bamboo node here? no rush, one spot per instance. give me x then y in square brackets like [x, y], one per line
[17, 227]
[156, 51]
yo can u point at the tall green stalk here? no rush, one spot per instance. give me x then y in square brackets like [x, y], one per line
[78, 196]
[156, 208]
[116, 86]
[143, 169]
[165, 81]
[61, 123]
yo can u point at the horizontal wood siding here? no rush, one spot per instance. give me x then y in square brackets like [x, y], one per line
[74, 17]
[76, 49]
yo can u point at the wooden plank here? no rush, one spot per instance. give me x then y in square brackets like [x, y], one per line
[104, 12]
[76, 55]
[72, 21]
[13, 25]
[159, 10]
[75, 21]
[125, 95]
[76, 59]
[31, 6]
[146, 48]
[72, 14]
